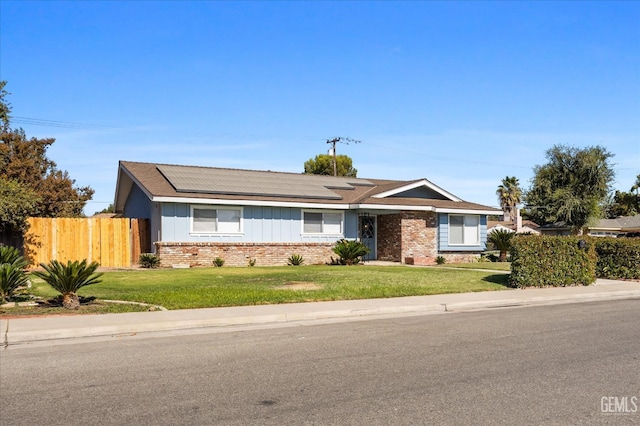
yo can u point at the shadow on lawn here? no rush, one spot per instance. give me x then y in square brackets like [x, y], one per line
[502, 279]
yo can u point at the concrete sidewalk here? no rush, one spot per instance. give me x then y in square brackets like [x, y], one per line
[56, 328]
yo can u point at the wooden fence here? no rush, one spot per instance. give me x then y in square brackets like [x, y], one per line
[111, 242]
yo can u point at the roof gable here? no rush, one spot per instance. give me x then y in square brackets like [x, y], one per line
[418, 189]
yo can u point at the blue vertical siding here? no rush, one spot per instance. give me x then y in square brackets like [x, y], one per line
[259, 224]
[138, 205]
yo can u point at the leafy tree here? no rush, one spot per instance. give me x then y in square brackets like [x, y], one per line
[509, 194]
[109, 209]
[622, 204]
[68, 279]
[500, 239]
[32, 182]
[571, 187]
[322, 164]
[17, 203]
[636, 186]
[5, 107]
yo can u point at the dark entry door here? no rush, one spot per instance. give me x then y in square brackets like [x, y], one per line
[368, 235]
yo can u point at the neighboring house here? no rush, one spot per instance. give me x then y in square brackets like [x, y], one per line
[559, 229]
[516, 225]
[623, 225]
[527, 227]
[199, 213]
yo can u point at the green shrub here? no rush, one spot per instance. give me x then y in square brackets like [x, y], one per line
[218, 261]
[295, 260]
[618, 258]
[440, 260]
[68, 279]
[149, 260]
[12, 272]
[252, 262]
[350, 252]
[540, 261]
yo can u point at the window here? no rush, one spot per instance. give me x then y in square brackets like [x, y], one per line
[322, 223]
[207, 220]
[464, 230]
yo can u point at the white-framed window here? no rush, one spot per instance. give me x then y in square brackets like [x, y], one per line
[322, 222]
[216, 220]
[464, 230]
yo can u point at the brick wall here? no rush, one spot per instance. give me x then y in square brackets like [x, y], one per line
[388, 238]
[238, 254]
[408, 237]
[419, 237]
[470, 257]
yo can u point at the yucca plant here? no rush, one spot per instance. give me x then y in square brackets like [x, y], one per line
[500, 239]
[295, 260]
[350, 251]
[149, 260]
[68, 279]
[218, 261]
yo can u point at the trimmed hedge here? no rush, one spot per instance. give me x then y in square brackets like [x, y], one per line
[541, 261]
[618, 258]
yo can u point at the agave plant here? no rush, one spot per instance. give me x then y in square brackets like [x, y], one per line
[68, 279]
[295, 260]
[350, 251]
[501, 240]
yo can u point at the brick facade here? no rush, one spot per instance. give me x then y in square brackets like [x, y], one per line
[389, 243]
[238, 254]
[408, 237]
[419, 237]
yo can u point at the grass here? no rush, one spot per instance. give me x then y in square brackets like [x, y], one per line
[493, 266]
[215, 287]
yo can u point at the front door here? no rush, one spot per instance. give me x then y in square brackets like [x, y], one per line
[368, 235]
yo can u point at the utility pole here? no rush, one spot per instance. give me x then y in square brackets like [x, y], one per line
[333, 142]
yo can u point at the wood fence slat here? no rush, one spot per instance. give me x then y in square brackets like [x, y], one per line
[113, 242]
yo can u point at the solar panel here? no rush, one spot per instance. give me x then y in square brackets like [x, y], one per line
[249, 182]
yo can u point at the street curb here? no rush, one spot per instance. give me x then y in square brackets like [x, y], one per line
[535, 301]
[16, 338]
[164, 321]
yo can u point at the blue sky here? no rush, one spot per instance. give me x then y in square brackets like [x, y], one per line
[460, 93]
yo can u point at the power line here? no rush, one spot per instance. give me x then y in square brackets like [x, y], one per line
[57, 123]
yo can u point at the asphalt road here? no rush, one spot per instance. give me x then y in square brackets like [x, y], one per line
[563, 364]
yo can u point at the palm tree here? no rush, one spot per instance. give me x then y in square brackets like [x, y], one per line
[501, 240]
[509, 194]
[68, 279]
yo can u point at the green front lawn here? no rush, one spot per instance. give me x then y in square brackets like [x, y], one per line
[493, 266]
[213, 287]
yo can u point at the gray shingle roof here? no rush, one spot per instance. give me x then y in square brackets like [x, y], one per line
[208, 180]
